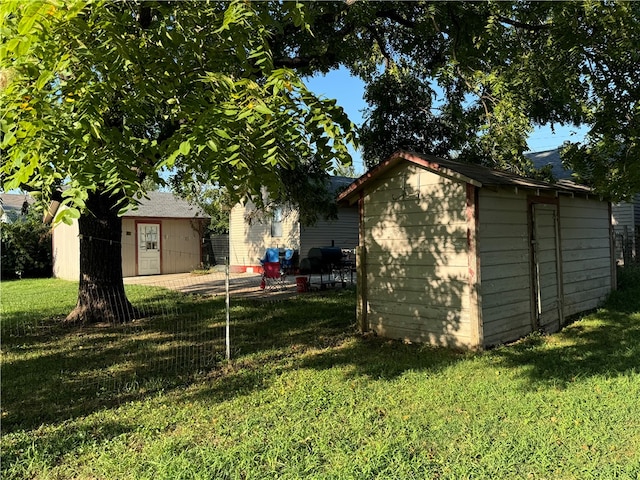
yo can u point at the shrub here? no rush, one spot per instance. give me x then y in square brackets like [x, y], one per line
[26, 247]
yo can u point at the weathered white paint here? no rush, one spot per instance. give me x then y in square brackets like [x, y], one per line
[587, 269]
[505, 265]
[419, 240]
[546, 267]
[417, 257]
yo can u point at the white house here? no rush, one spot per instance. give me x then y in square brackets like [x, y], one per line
[250, 235]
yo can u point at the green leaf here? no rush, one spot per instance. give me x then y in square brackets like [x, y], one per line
[185, 147]
[222, 133]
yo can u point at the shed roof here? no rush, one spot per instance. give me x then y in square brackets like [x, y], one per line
[165, 205]
[474, 174]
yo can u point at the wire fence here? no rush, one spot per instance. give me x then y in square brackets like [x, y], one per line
[183, 325]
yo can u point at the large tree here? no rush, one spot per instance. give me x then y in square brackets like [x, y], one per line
[474, 79]
[98, 96]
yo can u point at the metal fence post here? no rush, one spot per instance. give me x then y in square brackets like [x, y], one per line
[228, 307]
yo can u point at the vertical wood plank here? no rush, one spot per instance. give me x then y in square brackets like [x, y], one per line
[475, 298]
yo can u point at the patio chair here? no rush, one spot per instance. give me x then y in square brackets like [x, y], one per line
[273, 277]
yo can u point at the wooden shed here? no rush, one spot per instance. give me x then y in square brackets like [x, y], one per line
[459, 255]
[162, 235]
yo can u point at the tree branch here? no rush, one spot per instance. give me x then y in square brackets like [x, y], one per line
[525, 26]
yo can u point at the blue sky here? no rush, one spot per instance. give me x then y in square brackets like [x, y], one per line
[348, 91]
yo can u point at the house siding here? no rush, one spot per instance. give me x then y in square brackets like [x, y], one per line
[249, 239]
[586, 259]
[622, 215]
[341, 232]
[459, 255]
[180, 247]
[505, 266]
[129, 266]
[415, 234]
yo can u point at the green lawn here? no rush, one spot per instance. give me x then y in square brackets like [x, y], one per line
[307, 397]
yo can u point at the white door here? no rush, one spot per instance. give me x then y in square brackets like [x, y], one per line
[148, 249]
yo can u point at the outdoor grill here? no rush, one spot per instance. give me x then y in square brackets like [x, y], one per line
[328, 266]
[321, 260]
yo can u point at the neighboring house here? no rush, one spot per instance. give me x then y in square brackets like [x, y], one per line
[12, 204]
[625, 216]
[250, 235]
[163, 235]
[460, 255]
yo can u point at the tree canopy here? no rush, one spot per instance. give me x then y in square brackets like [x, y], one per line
[101, 95]
[473, 79]
[108, 93]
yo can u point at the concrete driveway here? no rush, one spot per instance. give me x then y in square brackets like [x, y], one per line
[240, 284]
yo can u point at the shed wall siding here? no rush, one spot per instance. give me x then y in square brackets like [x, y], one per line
[66, 251]
[248, 240]
[180, 246]
[505, 265]
[415, 233]
[586, 258]
[341, 232]
[129, 247]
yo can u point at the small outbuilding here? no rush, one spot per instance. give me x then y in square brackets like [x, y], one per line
[163, 235]
[460, 255]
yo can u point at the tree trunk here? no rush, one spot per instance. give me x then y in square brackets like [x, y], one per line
[101, 295]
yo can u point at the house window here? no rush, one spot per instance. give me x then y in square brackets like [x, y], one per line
[276, 222]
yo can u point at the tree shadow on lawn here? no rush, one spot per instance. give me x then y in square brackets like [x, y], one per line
[61, 373]
[320, 336]
[604, 343]
[65, 373]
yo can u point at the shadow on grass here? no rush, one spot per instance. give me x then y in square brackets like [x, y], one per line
[61, 372]
[606, 342]
[50, 448]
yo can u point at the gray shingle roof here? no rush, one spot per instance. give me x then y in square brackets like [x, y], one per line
[475, 174]
[550, 157]
[165, 205]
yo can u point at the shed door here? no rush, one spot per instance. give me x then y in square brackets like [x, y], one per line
[546, 266]
[148, 249]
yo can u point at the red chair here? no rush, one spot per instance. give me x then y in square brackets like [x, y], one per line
[273, 277]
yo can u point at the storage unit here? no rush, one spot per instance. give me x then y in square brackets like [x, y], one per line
[163, 235]
[460, 255]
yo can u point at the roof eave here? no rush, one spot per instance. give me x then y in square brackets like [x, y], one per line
[426, 161]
